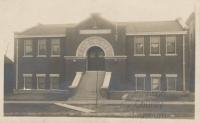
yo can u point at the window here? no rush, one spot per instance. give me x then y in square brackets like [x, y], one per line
[55, 47]
[171, 45]
[42, 49]
[139, 46]
[41, 79]
[28, 49]
[54, 81]
[27, 81]
[140, 82]
[171, 82]
[155, 82]
[155, 46]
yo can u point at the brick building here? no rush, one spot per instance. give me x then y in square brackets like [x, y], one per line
[191, 35]
[103, 56]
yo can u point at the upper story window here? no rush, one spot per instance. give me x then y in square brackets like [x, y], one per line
[155, 46]
[171, 45]
[140, 82]
[155, 82]
[28, 48]
[42, 48]
[139, 46]
[55, 47]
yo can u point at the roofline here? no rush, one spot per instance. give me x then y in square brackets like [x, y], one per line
[142, 33]
[39, 36]
[181, 23]
[8, 59]
[190, 18]
[158, 33]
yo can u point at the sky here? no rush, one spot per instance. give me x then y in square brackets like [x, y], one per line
[18, 15]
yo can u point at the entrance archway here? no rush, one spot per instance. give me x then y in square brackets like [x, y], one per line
[89, 42]
[95, 59]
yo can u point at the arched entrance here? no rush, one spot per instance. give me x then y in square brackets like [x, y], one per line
[95, 59]
[89, 42]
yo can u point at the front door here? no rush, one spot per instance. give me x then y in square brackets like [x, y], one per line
[96, 60]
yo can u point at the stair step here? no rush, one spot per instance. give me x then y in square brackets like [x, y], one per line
[85, 95]
[86, 89]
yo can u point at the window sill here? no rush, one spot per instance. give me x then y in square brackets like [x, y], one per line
[155, 55]
[140, 75]
[36, 91]
[155, 75]
[28, 56]
[171, 54]
[172, 91]
[26, 89]
[139, 55]
[55, 56]
[140, 90]
[44, 56]
[155, 91]
[55, 89]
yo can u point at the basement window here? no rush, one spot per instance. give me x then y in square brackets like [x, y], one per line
[28, 81]
[54, 81]
[171, 82]
[41, 81]
[155, 82]
[140, 82]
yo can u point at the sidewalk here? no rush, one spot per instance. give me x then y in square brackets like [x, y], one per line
[64, 97]
[108, 102]
[45, 108]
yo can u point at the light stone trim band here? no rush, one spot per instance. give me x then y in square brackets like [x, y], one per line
[140, 75]
[95, 31]
[158, 33]
[40, 75]
[111, 57]
[27, 75]
[171, 75]
[39, 36]
[54, 75]
[155, 75]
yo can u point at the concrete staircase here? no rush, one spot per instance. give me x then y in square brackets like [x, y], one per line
[86, 89]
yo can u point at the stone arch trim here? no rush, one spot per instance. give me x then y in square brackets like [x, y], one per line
[89, 42]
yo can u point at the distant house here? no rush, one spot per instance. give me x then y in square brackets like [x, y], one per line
[9, 76]
[132, 56]
[191, 35]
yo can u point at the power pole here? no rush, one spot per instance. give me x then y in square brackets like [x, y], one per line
[97, 90]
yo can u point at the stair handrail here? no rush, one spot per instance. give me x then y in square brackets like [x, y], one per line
[76, 80]
[106, 81]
